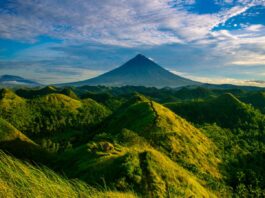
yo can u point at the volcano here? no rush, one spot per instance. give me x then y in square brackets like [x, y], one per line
[139, 71]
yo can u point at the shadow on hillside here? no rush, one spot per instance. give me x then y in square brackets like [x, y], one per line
[27, 151]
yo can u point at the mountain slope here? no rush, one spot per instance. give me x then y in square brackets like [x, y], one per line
[8, 80]
[139, 71]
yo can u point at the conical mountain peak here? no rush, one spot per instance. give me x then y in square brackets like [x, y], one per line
[140, 61]
[141, 57]
[138, 71]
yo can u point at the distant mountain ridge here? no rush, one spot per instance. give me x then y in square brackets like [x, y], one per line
[10, 80]
[139, 71]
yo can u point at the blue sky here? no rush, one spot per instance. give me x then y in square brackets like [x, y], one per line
[53, 41]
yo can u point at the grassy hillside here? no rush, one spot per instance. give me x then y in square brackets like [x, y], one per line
[226, 110]
[10, 133]
[50, 113]
[167, 132]
[18, 179]
[19, 145]
[57, 112]
[141, 168]
[15, 109]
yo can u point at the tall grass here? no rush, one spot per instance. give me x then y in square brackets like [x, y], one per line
[19, 179]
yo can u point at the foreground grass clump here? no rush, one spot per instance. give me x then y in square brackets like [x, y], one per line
[18, 179]
[141, 168]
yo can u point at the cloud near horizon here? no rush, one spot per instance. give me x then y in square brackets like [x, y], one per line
[62, 41]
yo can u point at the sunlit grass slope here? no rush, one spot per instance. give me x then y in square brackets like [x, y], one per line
[167, 132]
[55, 112]
[9, 133]
[60, 100]
[18, 179]
[14, 109]
[141, 168]
[8, 97]
[49, 113]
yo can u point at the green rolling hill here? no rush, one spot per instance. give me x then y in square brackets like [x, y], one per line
[225, 110]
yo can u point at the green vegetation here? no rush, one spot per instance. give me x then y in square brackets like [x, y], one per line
[143, 169]
[226, 110]
[18, 179]
[107, 99]
[167, 132]
[15, 109]
[50, 113]
[243, 153]
[19, 145]
[257, 99]
[9, 133]
[111, 141]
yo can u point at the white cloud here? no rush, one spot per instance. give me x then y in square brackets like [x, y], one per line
[250, 59]
[255, 28]
[124, 23]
